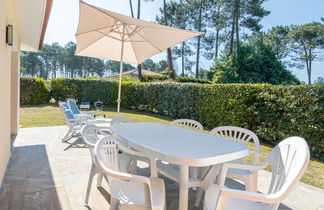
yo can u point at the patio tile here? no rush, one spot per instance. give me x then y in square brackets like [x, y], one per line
[41, 183]
[52, 199]
[12, 196]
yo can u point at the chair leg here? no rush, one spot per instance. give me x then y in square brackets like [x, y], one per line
[92, 173]
[193, 172]
[198, 196]
[251, 184]
[133, 166]
[99, 179]
[114, 204]
[65, 138]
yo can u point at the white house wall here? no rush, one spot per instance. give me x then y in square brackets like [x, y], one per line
[6, 17]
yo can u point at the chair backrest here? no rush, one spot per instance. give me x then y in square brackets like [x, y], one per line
[119, 120]
[238, 134]
[67, 113]
[73, 106]
[106, 154]
[288, 160]
[90, 134]
[188, 124]
[106, 157]
[63, 105]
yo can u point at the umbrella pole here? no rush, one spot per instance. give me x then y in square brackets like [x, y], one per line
[120, 70]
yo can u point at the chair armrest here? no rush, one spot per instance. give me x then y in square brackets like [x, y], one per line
[77, 120]
[226, 193]
[85, 116]
[88, 113]
[121, 175]
[131, 151]
[250, 167]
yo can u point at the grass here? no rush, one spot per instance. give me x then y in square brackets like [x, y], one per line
[49, 115]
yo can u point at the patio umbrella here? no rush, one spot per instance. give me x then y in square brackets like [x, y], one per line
[105, 34]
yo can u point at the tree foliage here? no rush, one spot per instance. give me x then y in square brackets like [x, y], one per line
[252, 63]
[307, 45]
[56, 61]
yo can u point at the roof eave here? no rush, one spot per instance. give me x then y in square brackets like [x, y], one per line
[48, 9]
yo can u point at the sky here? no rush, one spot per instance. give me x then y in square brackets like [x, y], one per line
[65, 13]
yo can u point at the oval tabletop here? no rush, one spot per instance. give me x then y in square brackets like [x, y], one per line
[178, 145]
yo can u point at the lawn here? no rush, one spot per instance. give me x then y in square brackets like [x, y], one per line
[49, 115]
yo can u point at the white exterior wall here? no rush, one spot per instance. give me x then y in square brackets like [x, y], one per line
[9, 58]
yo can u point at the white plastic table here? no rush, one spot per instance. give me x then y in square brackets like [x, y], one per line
[179, 146]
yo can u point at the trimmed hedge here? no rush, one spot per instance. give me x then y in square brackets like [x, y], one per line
[192, 80]
[272, 112]
[84, 90]
[33, 91]
[154, 78]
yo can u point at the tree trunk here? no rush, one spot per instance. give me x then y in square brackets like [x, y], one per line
[138, 9]
[237, 15]
[169, 52]
[131, 8]
[172, 74]
[182, 59]
[198, 43]
[139, 66]
[307, 63]
[232, 33]
[309, 70]
[216, 43]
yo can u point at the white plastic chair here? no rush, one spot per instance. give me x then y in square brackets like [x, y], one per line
[127, 191]
[288, 161]
[172, 171]
[242, 135]
[133, 164]
[91, 134]
[119, 120]
[188, 124]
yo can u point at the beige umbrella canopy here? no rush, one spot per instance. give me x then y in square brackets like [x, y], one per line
[109, 35]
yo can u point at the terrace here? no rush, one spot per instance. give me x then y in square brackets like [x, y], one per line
[44, 173]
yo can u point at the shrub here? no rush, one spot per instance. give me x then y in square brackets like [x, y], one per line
[282, 111]
[33, 90]
[154, 78]
[84, 90]
[272, 112]
[192, 80]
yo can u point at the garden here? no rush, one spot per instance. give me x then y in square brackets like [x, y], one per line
[272, 112]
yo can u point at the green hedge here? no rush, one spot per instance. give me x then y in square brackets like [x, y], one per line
[84, 90]
[192, 80]
[33, 91]
[272, 112]
[154, 78]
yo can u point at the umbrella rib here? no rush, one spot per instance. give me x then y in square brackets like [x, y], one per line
[107, 35]
[132, 45]
[112, 28]
[77, 34]
[137, 28]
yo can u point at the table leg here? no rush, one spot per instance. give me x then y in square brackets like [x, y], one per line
[184, 190]
[153, 167]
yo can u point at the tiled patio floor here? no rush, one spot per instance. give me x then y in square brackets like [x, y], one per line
[44, 173]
